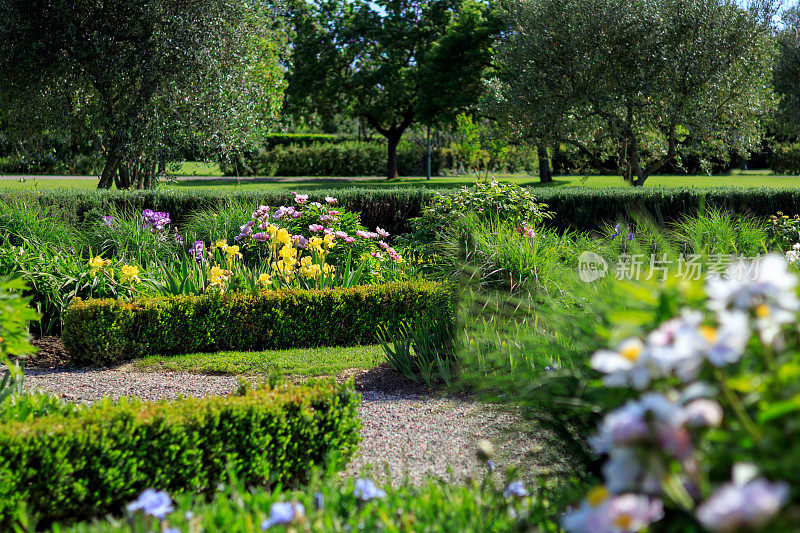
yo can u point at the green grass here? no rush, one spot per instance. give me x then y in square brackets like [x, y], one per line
[307, 361]
[189, 180]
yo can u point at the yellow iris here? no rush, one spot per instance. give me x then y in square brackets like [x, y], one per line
[130, 274]
[283, 237]
[265, 279]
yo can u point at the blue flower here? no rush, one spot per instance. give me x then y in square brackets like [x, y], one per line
[319, 500]
[366, 490]
[152, 502]
[283, 513]
[515, 488]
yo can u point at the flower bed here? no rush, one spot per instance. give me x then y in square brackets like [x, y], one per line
[108, 331]
[90, 461]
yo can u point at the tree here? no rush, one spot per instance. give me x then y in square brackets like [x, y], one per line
[144, 78]
[787, 73]
[391, 63]
[637, 81]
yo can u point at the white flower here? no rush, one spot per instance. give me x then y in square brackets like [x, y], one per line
[366, 490]
[152, 502]
[601, 513]
[515, 488]
[630, 364]
[733, 507]
[283, 513]
[703, 413]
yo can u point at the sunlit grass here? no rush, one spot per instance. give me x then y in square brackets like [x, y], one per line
[306, 361]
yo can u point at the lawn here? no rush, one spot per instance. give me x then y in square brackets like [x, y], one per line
[307, 362]
[198, 176]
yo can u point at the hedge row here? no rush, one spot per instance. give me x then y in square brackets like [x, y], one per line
[389, 208]
[99, 332]
[354, 158]
[583, 209]
[95, 460]
[286, 139]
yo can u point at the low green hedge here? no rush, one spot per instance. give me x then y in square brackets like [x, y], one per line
[389, 208]
[100, 332]
[94, 460]
[582, 209]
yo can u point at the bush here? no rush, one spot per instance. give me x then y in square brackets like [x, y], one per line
[92, 461]
[351, 158]
[100, 332]
[785, 159]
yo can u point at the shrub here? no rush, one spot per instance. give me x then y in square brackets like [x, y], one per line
[91, 461]
[352, 158]
[785, 159]
[109, 331]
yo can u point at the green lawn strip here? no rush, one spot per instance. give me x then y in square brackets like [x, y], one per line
[306, 361]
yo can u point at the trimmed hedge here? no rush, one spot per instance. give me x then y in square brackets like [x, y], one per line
[97, 459]
[351, 158]
[99, 332]
[285, 139]
[583, 209]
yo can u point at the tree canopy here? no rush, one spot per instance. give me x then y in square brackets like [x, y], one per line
[390, 62]
[639, 82]
[143, 78]
[787, 73]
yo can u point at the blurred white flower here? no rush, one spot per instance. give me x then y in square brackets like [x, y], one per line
[515, 488]
[366, 490]
[733, 507]
[283, 513]
[601, 513]
[703, 413]
[629, 364]
[152, 502]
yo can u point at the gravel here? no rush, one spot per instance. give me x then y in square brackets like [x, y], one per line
[407, 432]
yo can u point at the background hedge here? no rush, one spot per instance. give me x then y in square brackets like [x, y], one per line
[96, 460]
[99, 332]
[583, 209]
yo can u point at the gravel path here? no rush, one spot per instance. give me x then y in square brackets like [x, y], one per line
[413, 433]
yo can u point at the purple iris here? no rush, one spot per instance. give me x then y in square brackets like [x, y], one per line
[109, 221]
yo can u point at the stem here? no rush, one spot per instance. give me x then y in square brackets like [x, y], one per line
[738, 406]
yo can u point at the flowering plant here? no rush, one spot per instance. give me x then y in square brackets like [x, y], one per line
[783, 231]
[707, 437]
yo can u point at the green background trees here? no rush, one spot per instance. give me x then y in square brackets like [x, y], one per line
[637, 82]
[144, 79]
[391, 62]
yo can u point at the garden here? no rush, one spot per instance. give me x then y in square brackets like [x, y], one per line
[240, 363]
[402, 266]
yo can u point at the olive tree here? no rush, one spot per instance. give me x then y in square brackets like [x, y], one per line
[636, 82]
[145, 79]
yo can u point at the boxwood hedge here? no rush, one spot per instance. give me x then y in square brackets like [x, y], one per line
[100, 332]
[87, 462]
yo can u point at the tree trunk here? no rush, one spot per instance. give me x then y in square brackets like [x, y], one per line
[109, 171]
[124, 181]
[393, 142]
[545, 174]
[428, 156]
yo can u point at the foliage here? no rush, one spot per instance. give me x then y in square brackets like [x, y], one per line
[787, 75]
[100, 332]
[390, 63]
[15, 316]
[352, 158]
[142, 79]
[96, 459]
[785, 159]
[783, 231]
[330, 505]
[715, 398]
[637, 82]
[423, 349]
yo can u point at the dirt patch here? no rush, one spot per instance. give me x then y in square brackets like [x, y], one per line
[51, 355]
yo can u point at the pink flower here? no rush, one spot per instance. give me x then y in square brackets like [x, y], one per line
[382, 232]
[333, 213]
[301, 198]
[315, 228]
[383, 245]
[733, 507]
[325, 218]
[349, 240]
[363, 234]
[341, 234]
[330, 199]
